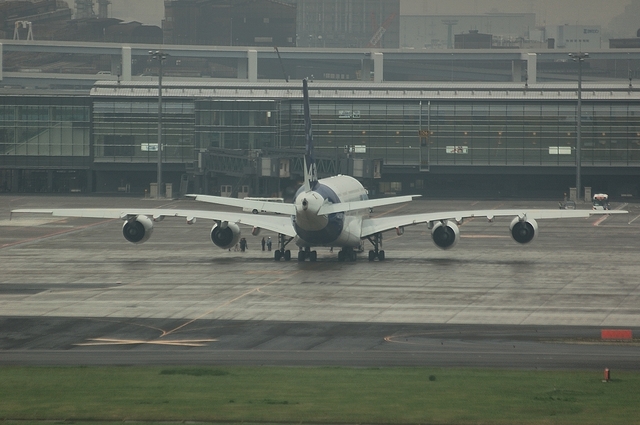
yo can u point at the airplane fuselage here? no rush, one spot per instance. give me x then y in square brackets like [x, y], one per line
[337, 229]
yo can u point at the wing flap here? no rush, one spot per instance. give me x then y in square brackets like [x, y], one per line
[372, 226]
[273, 223]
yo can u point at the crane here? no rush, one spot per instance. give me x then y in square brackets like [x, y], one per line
[380, 32]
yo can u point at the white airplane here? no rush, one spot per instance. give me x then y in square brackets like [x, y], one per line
[330, 212]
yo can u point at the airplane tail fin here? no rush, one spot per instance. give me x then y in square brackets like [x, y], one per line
[310, 170]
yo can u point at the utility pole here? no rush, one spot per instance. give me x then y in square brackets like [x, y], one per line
[579, 57]
[160, 57]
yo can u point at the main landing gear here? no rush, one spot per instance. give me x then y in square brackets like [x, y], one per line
[280, 253]
[303, 254]
[376, 241]
[347, 254]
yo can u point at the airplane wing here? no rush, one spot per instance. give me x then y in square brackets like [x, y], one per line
[273, 207]
[273, 223]
[371, 226]
[361, 205]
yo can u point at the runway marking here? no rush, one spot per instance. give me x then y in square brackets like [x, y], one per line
[485, 237]
[50, 235]
[604, 217]
[226, 303]
[179, 342]
[73, 229]
[164, 333]
[390, 211]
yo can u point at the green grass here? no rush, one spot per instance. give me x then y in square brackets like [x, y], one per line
[321, 395]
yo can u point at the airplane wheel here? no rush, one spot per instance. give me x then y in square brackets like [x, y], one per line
[341, 256]
[277, 255]
[301, 256]
[287, 255]
[372, 255]
[352, 256]
[313, 256]
[381, 255]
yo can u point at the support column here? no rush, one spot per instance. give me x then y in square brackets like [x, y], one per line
[242, 69]
[532, 68]
[89, 176]
[378, 67]
[252, 62]
[16, 180]
[366, 69]
[125, 71]
[1, 54]
[516, 71]
[49, 181]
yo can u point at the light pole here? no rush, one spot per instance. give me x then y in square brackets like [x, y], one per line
[160, 57]
[579, 57]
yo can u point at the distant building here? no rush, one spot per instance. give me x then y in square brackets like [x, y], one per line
[230, 22]
[133, 32]
[348, 23]
[436, 31]
[625, 43]
[282, 23]
[46, 16]
[473, 40]
[573, 37]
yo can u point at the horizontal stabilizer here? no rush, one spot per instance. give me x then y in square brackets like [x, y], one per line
[361, 205]
[262, 206]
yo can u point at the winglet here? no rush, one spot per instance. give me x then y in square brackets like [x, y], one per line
[310, 170]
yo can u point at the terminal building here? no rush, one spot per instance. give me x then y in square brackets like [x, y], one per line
[247, 138]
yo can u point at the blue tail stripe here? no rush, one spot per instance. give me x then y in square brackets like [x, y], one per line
[310, 171]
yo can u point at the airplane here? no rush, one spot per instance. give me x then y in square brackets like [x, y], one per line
[328, 212]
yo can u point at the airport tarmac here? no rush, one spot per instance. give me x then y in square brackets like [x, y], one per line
[73, 291]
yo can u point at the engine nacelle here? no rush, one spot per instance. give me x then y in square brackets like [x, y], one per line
[225, 235]
[523, 231]
[138, 229]
[445, 235]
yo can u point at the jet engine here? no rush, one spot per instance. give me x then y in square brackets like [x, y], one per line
[137, 229]
[225, 235]
[523, 230]
[445, 234]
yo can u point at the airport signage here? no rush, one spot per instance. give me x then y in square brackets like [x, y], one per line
[560, 150]
[149, 147]
[457, 149]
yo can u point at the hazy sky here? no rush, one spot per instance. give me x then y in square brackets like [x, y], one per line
[549, 12]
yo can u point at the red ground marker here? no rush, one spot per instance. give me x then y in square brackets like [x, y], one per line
[616, 334]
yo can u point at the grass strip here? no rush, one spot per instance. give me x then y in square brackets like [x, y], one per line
[319, 395]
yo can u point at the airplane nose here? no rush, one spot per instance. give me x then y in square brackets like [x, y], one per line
[305, 204]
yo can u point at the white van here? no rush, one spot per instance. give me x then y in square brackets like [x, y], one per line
[254, 210]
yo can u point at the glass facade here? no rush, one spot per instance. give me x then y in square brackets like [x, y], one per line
[371, 129]
[126, 130]
[542, 134]
[236, 124]
[465, 133]
[44, 127]
[100, 137]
